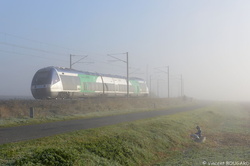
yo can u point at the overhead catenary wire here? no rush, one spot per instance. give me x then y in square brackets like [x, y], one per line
[106, 62]
[108, 65]
[54, 45]
[30, 48]
[30, 52]
[44, 51]
[50, 52]
[36, 41]
[37, 56]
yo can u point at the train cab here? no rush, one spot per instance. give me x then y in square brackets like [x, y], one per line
[45, 83]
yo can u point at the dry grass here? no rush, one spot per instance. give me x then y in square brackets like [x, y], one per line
[45, 108]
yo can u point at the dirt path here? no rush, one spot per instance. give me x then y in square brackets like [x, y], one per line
[21, 133]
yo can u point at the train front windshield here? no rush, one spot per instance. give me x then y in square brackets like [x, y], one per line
[42, 78]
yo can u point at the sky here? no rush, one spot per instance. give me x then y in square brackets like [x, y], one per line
[204, 41]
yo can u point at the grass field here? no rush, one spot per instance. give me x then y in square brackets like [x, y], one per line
[16, 112]
[157, 141]
[227, 130]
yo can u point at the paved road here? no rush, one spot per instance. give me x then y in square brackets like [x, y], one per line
[21, 133]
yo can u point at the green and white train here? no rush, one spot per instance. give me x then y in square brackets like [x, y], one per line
[57, 82]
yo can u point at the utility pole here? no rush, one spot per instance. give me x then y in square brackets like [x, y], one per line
[165, 73]
[127, 77]
[70, 61]
[179, 77]
[182, 89]
[158, 88]
[168, 81]
[127, 62]
[151, 78]
[147, 74]
[150, 90]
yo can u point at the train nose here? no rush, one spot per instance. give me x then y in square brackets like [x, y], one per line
[41, 92]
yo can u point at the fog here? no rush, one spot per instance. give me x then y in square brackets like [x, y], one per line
[205, 42]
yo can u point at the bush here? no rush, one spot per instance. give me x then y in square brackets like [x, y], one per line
[112, 149]
[48, 157]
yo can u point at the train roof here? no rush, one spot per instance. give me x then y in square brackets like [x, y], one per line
[62, 69]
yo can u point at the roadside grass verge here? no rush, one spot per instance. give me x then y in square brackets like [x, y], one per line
[158, 141]
[227, 134]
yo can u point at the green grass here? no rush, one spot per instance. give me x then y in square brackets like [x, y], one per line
[157, 141]
[226, 128]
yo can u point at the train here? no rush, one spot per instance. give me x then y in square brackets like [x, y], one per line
[62, 83]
